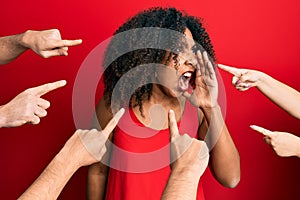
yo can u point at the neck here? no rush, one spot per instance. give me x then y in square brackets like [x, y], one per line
[159, 96]
[156, 109]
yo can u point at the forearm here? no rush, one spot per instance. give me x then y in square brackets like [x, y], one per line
[284, 96]
[225, 160]
[11, 47]
[182, 184]
[53, 179]
[96, 183]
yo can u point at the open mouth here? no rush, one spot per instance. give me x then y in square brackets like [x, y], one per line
[184, 80]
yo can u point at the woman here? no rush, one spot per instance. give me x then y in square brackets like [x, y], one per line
[153, 81]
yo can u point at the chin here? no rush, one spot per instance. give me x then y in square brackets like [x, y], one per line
[175, 93]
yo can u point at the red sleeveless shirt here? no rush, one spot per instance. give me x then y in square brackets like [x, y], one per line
[140, 162]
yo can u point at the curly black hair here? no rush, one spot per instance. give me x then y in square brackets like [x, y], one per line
[137, 84]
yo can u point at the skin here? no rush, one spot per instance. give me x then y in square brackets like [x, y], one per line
[85, 147]
[281, 94]
[192, 159]
[28, 106]
[46, 43]
[224, 159]
[284, 144]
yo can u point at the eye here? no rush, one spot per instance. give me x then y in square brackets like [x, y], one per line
[189, 63]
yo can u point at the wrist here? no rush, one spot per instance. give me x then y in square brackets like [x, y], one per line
[298, 149]
[67, 161]
[186, 173]
[24, 39]
[2, 118]
[210, 108]
[262, 79]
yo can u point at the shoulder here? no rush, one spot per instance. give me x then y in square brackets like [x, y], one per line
[103, 113]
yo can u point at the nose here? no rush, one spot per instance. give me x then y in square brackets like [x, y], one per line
[190, 63]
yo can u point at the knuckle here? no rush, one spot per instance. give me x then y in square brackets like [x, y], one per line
[27, 91]
[44, 55]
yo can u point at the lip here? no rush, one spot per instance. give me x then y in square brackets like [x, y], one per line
[184, 80]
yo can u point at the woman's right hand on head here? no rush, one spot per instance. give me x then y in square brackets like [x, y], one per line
[243, 79]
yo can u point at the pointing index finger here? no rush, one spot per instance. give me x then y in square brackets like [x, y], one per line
[43, 89]
[68, 43]
[113, 123]
[173, 125]
[232, 70]
[264, 131]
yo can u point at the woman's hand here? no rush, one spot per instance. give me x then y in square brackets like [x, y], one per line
[205, 86]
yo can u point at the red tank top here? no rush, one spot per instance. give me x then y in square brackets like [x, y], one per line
[140, 162]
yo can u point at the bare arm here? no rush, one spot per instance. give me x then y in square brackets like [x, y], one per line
[85, 147]
[225, 161]
[10, 48]
[281, 94]
[53, 179]
[98, 172]
[190, 158]
[45, 43]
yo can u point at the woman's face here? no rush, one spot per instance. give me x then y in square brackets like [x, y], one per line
[173, 78]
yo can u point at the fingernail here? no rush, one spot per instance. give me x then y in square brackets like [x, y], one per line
[63, 82]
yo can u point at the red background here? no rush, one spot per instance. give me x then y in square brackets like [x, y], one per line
[257, 34]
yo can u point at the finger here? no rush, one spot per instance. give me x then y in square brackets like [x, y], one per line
[113, 123]
[43, 89]
[43, 103]
[40, 112]
[206, 61]
[235, 80]
[34, 120]
[54, 52]
[267, 140]
[246, 77]
[241, 89]
[200, 65]
[264, 131]
[244, 85]
[211, 70]
[65, 48]
[68, 43]
[173, 125]
[231, 70]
